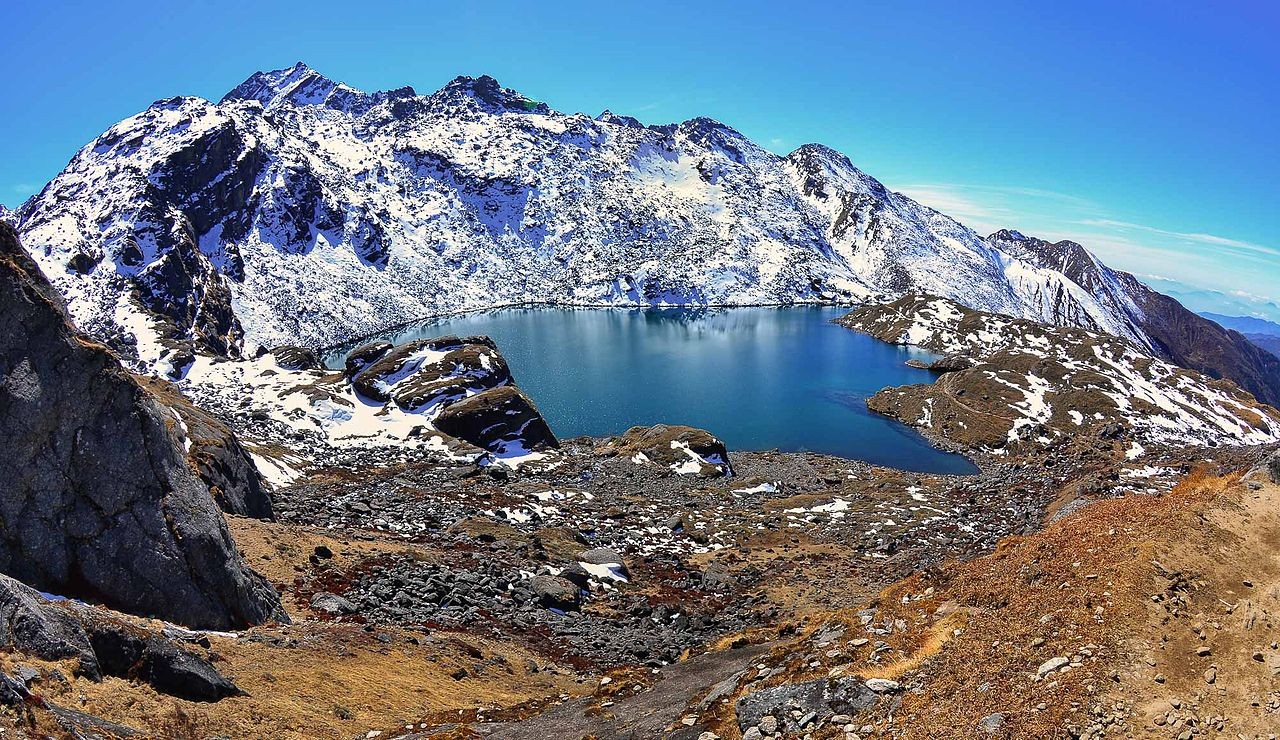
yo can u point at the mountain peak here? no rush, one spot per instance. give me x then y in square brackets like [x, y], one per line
[302, 85]
[485, 93]
[268, 87]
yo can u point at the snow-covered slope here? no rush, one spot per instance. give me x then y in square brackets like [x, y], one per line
[298, 210]
[1013, 382]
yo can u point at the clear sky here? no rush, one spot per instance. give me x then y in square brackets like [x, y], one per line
[1148, 132]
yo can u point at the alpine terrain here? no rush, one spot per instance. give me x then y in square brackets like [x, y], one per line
[207, 531]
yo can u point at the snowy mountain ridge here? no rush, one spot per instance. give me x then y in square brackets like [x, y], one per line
[299, 210]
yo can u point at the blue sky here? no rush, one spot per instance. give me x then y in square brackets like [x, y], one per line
[1146, 132]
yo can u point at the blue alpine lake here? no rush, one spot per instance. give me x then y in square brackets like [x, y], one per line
[758, 378]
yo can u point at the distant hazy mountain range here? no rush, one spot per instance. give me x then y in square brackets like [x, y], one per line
[298, 210]
[1265, 334]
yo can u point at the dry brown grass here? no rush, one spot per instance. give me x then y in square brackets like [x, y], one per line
[1087, 580]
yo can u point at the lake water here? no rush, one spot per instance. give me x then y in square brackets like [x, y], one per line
[758, 378]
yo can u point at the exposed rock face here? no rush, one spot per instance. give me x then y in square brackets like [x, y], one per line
[30, 624]
[685, 450]
[97, 499]
[1028, 384]
[501, 420]
[218, 457]
[1167, 329]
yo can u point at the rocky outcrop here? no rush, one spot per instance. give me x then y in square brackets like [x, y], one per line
[501, 420]
[791, 707]
[684, 450]
[97, 499]
[32, 625]
[1029, 385]
[296, 358]
[103, 645]
[127, 652]
[419, 375]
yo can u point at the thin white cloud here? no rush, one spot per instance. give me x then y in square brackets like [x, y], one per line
[1201, 261]
[1221, 241]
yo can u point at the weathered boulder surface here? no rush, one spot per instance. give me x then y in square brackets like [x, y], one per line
[97, 499]
[129, 653]
[685, 450]
[501, 420]
[555, 592]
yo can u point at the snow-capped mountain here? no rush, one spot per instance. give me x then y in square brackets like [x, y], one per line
[298, 210]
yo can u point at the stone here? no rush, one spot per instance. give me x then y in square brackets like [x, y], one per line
[1051, 665]
[555, 592]
[332, 604]
[605, 556]
[26, 674]
[97, 498]
[128, 653]
[883, 685]
[768, 725]
[992, 724]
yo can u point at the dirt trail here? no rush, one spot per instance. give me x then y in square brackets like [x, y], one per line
[646, 714]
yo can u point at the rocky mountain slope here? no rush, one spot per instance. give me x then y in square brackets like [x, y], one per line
[298, 210]
[1010, 383]
[1172, 331]
[97, 497]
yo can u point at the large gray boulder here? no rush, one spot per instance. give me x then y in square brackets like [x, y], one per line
[30, 624]
[97, 499]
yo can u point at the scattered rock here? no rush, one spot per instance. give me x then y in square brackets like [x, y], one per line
[332, 604]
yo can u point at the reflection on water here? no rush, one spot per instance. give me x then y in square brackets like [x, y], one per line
[760, 378]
